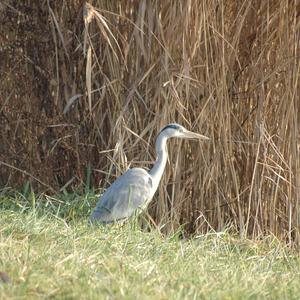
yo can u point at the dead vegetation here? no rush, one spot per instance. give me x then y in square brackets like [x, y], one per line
[87, 86]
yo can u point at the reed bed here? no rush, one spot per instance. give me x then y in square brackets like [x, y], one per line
[86, 87]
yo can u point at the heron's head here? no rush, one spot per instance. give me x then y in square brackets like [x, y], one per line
[176, 130]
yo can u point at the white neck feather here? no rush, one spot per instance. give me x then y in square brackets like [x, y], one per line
[162, 156]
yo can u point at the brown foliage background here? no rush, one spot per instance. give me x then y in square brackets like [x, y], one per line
[88, 86]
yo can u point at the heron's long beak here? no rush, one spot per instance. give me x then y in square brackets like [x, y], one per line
[193, 135]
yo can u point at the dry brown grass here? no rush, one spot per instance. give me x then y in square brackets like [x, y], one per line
[94, 84]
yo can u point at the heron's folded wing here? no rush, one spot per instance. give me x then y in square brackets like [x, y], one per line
[127, 194]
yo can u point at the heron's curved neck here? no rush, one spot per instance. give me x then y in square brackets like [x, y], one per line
[162, 156]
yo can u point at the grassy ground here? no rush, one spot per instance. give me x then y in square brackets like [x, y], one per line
[47, 257]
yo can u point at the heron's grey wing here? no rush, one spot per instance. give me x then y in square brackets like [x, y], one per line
[128, 193]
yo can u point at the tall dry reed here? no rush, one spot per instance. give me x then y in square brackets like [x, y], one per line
[91, 84]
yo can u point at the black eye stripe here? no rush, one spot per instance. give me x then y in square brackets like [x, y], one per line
[173, 126]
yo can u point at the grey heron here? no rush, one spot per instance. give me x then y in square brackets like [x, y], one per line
[133, 191]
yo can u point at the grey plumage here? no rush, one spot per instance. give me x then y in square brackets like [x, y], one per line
[133, 191]
[128, 193]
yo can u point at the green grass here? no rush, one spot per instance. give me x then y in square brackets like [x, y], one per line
[47, 257]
